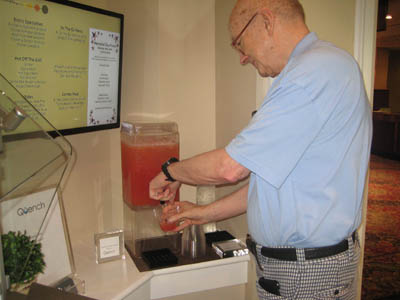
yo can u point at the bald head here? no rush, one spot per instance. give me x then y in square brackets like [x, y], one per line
[265, 32]
[285, 10]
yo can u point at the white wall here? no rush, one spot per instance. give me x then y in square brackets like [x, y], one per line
[187, 76]
[332, 20]
[168, 73]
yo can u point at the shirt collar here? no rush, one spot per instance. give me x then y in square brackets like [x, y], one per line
[304, 44]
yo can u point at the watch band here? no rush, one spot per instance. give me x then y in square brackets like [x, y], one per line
[164, 168]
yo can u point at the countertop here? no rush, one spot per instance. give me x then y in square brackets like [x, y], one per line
[121, 280]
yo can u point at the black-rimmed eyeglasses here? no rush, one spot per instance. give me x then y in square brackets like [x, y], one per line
[235, 41]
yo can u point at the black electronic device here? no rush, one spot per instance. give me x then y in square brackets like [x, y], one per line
[269, 285]
[218, 236]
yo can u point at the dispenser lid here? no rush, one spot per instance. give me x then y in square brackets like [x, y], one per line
[145, 127]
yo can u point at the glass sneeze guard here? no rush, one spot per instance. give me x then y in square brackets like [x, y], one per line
[30, 159]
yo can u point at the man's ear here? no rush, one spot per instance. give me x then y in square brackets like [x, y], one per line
[269, 20]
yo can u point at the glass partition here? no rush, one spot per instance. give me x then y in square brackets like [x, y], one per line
[31, 161]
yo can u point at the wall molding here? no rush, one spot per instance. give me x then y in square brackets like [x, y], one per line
[364, 52]
[365, 40]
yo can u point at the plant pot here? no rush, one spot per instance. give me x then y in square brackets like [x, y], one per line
[22, 287]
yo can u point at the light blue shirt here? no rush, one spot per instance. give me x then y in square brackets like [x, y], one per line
[307, 148]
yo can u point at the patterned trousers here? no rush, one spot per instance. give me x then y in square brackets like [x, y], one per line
[333, 277]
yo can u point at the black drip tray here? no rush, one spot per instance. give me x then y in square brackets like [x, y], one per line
[160, 258]
[150, 253]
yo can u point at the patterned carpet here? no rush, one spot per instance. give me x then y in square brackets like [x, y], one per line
[381, 275]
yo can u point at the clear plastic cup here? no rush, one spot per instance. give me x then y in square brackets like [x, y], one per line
[193, 241]
[162, 218]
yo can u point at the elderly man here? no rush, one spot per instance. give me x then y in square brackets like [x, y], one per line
[306, 150]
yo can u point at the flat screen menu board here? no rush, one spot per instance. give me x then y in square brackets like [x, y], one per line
[66, 59]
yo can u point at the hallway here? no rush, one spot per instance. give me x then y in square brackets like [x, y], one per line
[381, 275]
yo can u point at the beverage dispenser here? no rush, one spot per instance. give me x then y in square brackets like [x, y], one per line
[145, 146]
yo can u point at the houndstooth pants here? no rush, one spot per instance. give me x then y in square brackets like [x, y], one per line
[333, 277]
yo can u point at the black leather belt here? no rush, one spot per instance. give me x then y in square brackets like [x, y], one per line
[289, 254]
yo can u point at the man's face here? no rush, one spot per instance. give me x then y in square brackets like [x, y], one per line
[251, 39]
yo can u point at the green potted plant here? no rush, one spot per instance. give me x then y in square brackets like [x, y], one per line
[23, 260]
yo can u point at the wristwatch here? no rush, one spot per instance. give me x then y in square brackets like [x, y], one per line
[164, 168]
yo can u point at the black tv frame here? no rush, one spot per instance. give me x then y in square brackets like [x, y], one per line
[84, 129]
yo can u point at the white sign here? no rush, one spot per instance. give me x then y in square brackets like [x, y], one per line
[104, 47]
[109, 246]
[26, 214]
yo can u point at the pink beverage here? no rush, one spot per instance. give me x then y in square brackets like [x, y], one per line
[142, 155]
[167, 226]
[163, 212]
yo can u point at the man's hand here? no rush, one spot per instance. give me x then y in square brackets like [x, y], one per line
[185, 213]
[161, 189]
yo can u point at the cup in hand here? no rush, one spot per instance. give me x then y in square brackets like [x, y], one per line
[162, 213]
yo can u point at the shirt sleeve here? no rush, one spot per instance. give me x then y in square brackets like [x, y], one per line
[278, 134]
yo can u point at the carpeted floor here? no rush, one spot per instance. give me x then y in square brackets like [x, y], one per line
[381, 275]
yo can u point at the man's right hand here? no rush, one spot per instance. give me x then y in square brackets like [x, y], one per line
[160, 189]
[187, 213]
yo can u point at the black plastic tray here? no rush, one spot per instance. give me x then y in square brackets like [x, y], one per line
[160, 258]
